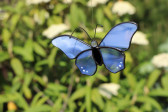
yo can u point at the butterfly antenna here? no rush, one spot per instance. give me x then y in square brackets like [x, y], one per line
[83, 30]
[96, 29]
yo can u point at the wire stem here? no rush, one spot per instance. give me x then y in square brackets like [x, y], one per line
[96, 28]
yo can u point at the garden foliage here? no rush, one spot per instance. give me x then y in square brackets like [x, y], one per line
[35, 76]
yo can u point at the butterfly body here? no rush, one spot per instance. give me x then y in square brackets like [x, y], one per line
[110, 51]
[97, 55]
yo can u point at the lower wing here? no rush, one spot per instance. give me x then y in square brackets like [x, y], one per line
[114, 60]
[86, 63]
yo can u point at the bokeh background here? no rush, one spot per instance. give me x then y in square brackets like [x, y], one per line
[35, 76]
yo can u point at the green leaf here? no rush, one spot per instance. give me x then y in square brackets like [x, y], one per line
[39, 50]
[82, 108]
[54, 20]
[139, 86]
[8, 97]
[153, 78]
[57, 105]
[16, 83]
[6, 35]
[129, 57]
[27, 80]
[102, 77]
[17, 66]
[1, 107]
[20, 101]
[18, 50]
[109, 106]
[99, 15]
[95, 109]
[59, 7]
[97, 99]
[115, 77]
[88, 99]
[149, 100]
[124, 102]
[39, 64]
[41, 15]
[159, 92]
[36, 98]
[81, 1]
[72, 106]
[39, 79]
[27, 92]
[28, 50]
[135, 109]
[14, 20]
[51, 57]
[74, 20]
[80, 93]
[106, 24]
[20, 6]
[39, 108]
[55, 89]
[128, 62]
[82, 16]
[164, 81]
[107, 11]
[4, 56]
[62, 64]
[29, 22]
[131, 80]
[42, 100]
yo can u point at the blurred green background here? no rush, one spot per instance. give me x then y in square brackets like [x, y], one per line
[35, 76]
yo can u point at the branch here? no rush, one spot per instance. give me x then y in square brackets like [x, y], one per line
[69, 92]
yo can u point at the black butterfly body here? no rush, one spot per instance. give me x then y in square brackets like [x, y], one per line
[97, 56]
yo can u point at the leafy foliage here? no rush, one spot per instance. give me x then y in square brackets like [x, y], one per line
[37, 77]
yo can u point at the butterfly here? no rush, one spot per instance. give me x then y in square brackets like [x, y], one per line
[110, 51]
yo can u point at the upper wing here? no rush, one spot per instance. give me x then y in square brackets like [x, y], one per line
[120, 36]
[70, 45]
[114, 60]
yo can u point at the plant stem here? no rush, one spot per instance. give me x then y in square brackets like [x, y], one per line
[69, 93]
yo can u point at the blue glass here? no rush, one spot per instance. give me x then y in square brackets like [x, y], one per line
[86, 63]
[71, 46]
[113, 59]
[120, 36]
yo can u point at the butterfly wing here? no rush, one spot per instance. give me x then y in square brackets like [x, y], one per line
[86, 63]
[70, 45]
[120, 36]
[113, 59]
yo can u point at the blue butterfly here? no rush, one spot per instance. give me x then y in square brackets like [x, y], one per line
[109, 52]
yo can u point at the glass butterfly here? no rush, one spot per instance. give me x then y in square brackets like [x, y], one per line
[109, 52]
